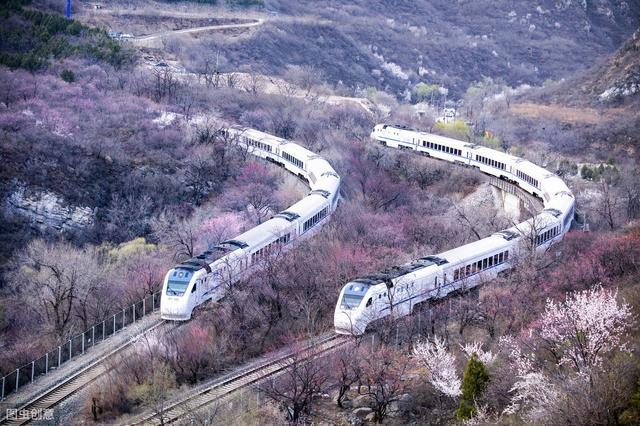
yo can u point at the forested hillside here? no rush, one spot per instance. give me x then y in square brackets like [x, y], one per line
[392, 45]
[117, 166]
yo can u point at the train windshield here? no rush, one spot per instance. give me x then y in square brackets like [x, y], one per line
[350, 301]
[178, 282]
[176, 288]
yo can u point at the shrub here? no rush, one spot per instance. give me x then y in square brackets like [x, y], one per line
[425, 92]
[474, 383]
[30, 38]
[457, 129]
[68, 75]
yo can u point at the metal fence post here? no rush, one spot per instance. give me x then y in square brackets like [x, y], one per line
[17, 378]
[114, 323]
[123, 318]
[33, 369]
[133, 311]
[153, 302]
[2, 396]
[103, 323]
[59, 355]
[70, 348]
[93, 336]
[144, 310]
[83, 343]
[46, 363]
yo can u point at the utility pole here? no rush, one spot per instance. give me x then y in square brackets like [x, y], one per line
[68, 9]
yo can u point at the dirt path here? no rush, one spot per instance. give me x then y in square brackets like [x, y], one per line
[148, 41]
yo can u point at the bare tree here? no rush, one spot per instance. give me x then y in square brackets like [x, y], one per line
[232, 80]
[164, 83]
[630, 184]
[209, 73]
[347, 369]
[52, 279]
[382, 379]
[253, 83]
[181, 235]
[609, 206]
[305, 376]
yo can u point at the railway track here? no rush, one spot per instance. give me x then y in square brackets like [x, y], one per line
[79, 380]
[248, 376]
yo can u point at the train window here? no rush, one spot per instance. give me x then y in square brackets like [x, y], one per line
[473, 268]
[195, 285]
[369, 302]
[479, 265]
[456, 274]
[495, 259]
[468, 270]
[380, 296]
[490, 262]
[499, 257]
[506, 256]
[484, 263]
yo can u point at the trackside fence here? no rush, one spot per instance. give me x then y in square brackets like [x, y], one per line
[77, 345]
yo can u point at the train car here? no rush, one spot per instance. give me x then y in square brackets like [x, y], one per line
[208, 275]
[365, 300]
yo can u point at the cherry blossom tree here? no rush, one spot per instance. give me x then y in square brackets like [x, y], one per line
[588, 324]
[577, 334]
[441, 366]
[486, 357]
[221, 227]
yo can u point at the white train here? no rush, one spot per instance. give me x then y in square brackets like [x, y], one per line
[397, 290]
[206, 276]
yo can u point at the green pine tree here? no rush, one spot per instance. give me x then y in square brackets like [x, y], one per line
[474, 383]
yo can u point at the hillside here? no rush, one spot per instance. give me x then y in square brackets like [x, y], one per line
[129, 184]
[613, 82]
[593, 114]
[394, 45]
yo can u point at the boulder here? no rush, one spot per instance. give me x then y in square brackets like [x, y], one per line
[362, 412]
[361, 401]
[347, 403]
[405, 402]
[354, 420]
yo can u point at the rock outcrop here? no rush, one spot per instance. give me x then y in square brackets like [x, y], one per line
[47, 211]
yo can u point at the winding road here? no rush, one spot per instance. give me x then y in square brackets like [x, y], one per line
[144, 40]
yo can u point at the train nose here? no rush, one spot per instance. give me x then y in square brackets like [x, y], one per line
[175, 308]
[345, 322]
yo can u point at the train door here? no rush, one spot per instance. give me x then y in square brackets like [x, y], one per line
[196, 291]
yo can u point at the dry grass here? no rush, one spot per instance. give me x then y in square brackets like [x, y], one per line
[567, 114]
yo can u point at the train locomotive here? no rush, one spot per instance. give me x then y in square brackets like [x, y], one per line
[397, 290]
[207, 276]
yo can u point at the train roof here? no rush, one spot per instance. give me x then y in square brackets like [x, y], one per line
[262, 233]
[390, 274]
[204, 259]
[476, 248]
